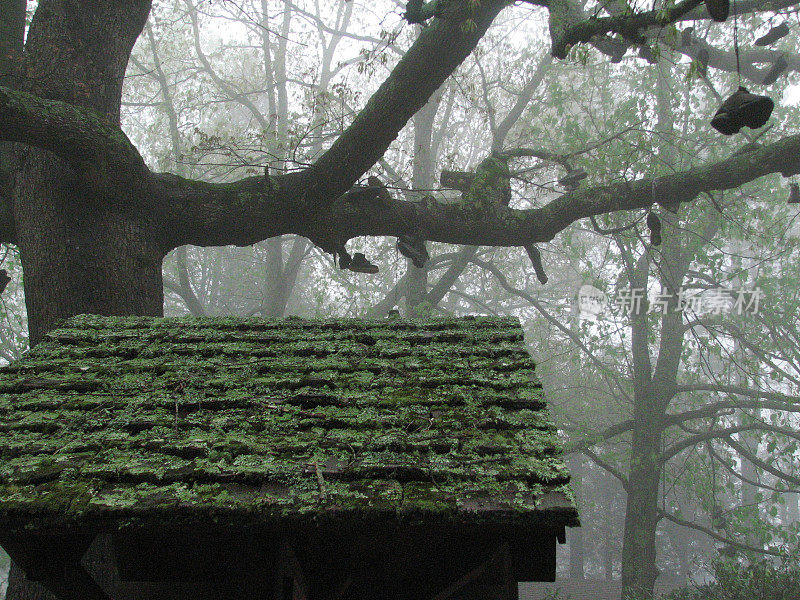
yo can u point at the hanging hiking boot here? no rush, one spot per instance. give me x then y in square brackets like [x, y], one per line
[687, 37]
[646, 53]
[794, 196]
[777, 68]
[654, 225]
[360, 264]
[413, 247]
[619, 48]
[718, 9]
[773, 35]
[344, 259]
[742, 109]
[536, 261]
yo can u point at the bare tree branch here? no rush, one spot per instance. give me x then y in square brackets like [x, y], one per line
[742, 391]
[606, 466]
[713, 534]
[743, 451]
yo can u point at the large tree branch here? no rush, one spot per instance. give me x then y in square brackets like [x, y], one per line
[257, 208]
[709, 411]
[725, 60]
[717, 409]
[566, 32]
[438, 51]
[737, 475]
[689, 442]
[501, 226]
[787, 400]
[101, 154]
[95, 147]
[695, 48]
[603, 464]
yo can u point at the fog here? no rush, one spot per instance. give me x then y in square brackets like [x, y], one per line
[657, 290]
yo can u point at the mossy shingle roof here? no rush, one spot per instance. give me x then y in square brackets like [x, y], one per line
[117, 419]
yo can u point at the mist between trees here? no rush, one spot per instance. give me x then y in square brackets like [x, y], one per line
[251, 163]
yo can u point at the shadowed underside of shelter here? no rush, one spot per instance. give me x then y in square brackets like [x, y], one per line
[281, 459]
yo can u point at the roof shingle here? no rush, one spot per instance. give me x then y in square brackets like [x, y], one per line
[237, 420]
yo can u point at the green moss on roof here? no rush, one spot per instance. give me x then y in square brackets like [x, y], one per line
[248, 419]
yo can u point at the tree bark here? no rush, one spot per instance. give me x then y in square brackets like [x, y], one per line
[79, 255]
[577, 555]
[641, 515]
[422, 178]
[12, 35]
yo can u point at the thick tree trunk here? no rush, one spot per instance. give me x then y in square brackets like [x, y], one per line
[641, 516]
[78, 255]
[12, 35]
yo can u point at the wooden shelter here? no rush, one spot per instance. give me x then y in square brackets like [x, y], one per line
[281, 459]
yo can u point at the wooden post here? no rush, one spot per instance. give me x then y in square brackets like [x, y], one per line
[290, 581]
[54, 561]
[491, 580]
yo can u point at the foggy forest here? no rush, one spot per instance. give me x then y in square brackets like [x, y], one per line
[618, 177]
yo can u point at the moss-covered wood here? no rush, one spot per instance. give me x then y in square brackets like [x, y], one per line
[120, 420]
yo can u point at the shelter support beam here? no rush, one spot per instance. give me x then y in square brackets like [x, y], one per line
[55, 562]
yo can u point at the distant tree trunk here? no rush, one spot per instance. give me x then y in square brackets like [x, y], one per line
[608, 542]
[682, 541]
[276, 289]
[275, 293]
[740, 263]
[641, 511]
[792, 508]
[654, 386]
[576, 549]
[422, 178]
[641, 516]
